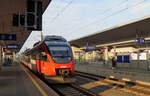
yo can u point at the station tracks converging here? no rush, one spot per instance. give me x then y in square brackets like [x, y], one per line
[114, 86]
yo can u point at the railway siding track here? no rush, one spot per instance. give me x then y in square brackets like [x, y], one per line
[137, 88]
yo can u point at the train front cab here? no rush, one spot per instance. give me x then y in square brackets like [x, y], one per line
[51, 70]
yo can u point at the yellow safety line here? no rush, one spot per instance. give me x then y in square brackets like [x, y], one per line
[36, 84]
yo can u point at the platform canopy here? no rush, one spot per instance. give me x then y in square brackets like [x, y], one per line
[130, 31]
[9, 34]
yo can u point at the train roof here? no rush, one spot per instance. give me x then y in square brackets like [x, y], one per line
[55, 38]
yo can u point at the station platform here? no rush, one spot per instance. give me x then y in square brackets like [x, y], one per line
[17, 80]
[135, 75]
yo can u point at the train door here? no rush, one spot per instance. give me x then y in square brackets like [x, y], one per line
[44, 62]
[38, 62]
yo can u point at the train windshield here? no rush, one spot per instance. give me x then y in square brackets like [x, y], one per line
[60, 54]
[60, 51]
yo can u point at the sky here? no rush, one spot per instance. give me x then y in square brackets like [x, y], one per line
[74, 19]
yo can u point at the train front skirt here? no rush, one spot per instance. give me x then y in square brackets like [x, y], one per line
[60, 79]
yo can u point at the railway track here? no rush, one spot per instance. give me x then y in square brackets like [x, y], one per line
[112, 86]
[67, 89]
[107, 87]
[71, 90]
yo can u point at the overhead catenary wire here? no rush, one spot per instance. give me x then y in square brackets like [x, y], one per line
[113, 14]
[63, 9]
[105, 11]
[30, 42]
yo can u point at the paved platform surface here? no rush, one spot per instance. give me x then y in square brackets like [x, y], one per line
[119, 73]
[14, 81]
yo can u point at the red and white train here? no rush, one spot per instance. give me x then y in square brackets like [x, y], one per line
[52, 58]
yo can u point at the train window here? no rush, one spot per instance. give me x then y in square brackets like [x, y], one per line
[43, 56]
[34, 55]
[38, 56]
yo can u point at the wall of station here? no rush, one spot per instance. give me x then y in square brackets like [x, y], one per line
[8, 9]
